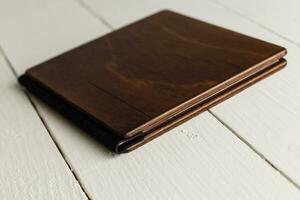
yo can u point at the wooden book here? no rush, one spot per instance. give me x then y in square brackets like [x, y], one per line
[135, 83]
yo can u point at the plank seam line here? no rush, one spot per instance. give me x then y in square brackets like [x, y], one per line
[255, 22]
[45, 124]
[289, 179]
[61, 151]
[94, 14]
[8, 62]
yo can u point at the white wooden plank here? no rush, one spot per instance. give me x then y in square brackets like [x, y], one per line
[272, 123]
[200, 159]
[33, 31]
[120, 13]
[31, 166]
[267, 116]
[281, 17]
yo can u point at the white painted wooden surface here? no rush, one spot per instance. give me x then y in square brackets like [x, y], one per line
[245, 148]
[275, 103]
[31, 167]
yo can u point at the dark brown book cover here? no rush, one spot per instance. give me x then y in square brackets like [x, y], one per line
[137, 82]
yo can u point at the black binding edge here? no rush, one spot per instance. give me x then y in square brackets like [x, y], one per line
[80, 119]
[100, 132]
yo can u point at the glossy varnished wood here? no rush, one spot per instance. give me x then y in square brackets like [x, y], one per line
[141, 74]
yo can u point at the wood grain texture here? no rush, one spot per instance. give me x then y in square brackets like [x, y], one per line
[31, 166]
[210, 162]
[131, 92]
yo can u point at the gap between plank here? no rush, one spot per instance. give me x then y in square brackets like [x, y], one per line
[2, 53]
[255, 150]
[94, 14]
[239, 137]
